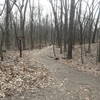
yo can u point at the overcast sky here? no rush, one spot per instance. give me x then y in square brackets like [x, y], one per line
[46, 5]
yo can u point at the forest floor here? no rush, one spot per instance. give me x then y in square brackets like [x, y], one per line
[37, 76]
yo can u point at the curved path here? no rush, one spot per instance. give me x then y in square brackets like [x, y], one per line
[70, 83]
[76, 85]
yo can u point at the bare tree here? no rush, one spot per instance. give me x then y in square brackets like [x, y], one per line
[39, 25]
[70, 39]
[96, 26]
[31, 23]
[2, 42]
[7, 21]
[65, 26]
[54, 5]
[22, 11]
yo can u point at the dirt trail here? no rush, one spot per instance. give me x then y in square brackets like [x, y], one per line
[76, 85]
[70, 84]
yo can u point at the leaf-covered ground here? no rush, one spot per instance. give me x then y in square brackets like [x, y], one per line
[37, 76]
[19, 74]
[90, 64]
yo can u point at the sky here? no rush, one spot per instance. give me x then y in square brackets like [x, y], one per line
[45, 5]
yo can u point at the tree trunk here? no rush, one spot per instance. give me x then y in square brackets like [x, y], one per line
[70, 40]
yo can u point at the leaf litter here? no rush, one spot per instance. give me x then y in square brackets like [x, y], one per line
[90, 64]
[20, 74]
[26, 74]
